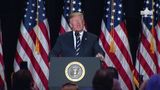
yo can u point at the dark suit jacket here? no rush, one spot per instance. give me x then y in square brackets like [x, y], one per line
[64, 46]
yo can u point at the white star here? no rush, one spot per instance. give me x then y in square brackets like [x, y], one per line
[151, 17]
[114, 4]
[147, 2]
[67, 15]
[73, 9]
[43, 14]
[38, 6]
[67, 8]
[157, 5]
[27, 3]
[25, 15]
[119, 12]
[44, 8]
[39, 0]
[108, 2]
[74, 2]
[120, 5]
[107, 9]
[118, 19]
[33, 5]
[79, 3]
[29, 24]
[30, 17]
[26, 9]
[79, 10]
[68, 1]
[106, 16]
[150, 23]
[32, 11]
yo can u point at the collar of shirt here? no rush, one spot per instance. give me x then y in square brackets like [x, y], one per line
[74, 37]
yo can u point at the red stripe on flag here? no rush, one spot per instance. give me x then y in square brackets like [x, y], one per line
[116, 63]
[35, 64]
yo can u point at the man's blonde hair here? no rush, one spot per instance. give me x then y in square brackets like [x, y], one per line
[76, 14]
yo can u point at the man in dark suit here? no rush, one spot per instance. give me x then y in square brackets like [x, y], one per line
[78, 42]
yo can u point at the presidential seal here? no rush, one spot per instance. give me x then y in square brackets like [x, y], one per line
[75, 71]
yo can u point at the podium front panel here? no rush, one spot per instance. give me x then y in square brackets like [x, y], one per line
[57, 76]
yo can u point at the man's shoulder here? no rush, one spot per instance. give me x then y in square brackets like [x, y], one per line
[91, 35]
[66, 34]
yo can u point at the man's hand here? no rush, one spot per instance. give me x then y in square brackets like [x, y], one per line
[100, 56]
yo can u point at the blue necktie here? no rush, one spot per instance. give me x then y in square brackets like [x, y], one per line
[78, 43]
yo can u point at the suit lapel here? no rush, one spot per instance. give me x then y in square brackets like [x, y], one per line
[83, 44]
[71, 43]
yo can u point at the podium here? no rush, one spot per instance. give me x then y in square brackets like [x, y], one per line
[79, 70]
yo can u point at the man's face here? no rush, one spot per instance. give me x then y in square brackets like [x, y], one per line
[77, 23]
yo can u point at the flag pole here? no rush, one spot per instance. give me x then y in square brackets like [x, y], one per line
[37, 48]
[112, 46]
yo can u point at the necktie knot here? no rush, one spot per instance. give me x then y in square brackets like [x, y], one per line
[77, 34]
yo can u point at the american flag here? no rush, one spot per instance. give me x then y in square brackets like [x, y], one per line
[147, 61]
[34, 43]
[2, 75]
[114, 41]
[69, 7]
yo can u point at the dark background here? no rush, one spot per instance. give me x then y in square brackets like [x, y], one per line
[11, 13]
